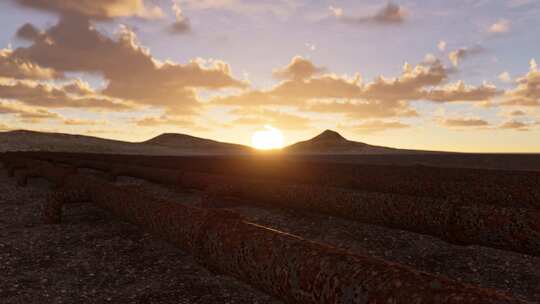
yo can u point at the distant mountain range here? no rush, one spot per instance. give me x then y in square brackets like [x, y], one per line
[165, 144]
[183, 141]
[328, 142]
[331, 142]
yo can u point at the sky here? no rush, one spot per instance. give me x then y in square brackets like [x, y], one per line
[438, 75]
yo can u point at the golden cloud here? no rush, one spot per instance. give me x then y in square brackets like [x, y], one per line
[298, 68]
[517, 113]
[82, 122]
[12, 67]
[380, 98]
[500, 27]
[373, 126]
[516, 125]
[162, 120]
[74, 45]
[26, 113]
[181, 24]
[527, 91]
[459, 91]
[408, 85]
[389, 14]
[458, 55]
[96, 9]
[54, 96]
[365, 109]
[276, 118]
[465, 122]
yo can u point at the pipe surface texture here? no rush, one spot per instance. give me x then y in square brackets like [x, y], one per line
[291, 268]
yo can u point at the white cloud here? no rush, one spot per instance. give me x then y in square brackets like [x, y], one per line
[312, 47]
[281, 8]
[336, 11]
[458, 55]
[441, 45]
[181, 24]
[390, 14]
[500, 27]
[505, 77]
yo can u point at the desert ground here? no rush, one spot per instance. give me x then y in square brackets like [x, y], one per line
[93, 256]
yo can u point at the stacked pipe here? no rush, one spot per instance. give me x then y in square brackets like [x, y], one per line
[514, 229]
[294, 269]
[27, 168]
[501, 188]
[13, 163]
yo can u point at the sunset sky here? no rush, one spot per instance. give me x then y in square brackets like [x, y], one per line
[440, 75]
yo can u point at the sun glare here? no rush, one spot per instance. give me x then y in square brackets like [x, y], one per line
[270, 138]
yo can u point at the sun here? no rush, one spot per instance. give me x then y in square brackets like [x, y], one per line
[270, 138]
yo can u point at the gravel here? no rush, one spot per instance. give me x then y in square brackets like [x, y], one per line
[95, 258]
[514, 273]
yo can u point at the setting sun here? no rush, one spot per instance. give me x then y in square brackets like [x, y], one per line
[270, 138]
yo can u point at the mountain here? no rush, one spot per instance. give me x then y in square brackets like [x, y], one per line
[328, 142]
[331, 142]
[182, 141]
[166, 144]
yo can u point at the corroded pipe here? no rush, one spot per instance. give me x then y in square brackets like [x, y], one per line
[514, 229]
[294, 269]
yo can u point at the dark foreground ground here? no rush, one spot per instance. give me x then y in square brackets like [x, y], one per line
[93, 257]
[528, 162]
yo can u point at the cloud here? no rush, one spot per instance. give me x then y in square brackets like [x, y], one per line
[96, 9]
[517, 113]
[55, 96]
[298, 91]
[261, 117]
[12, 67]
[368, 109]
[500, 27]
[312, 47]
[391, 14]
[527, 91]
[459, 91]
[458, 55]
[4, 127]
[373, 126]
[280, 8]
[365, 109]
[298, 68]
[519, 101]
[74, 45]
[78, 87]
[515, 125]
[505, 77]
[381, 98]
[441, 45]
[153, 121]
[82, 122]
[181, 24]
[28, 32]
[464, 122]
[26, 113]
[336, 11]
[408, 85]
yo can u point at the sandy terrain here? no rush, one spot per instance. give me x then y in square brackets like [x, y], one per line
[94, 258]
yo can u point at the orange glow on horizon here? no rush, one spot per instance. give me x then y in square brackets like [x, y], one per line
[268, 139]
